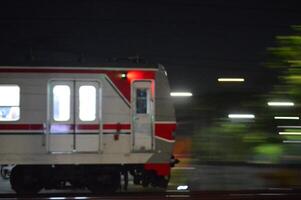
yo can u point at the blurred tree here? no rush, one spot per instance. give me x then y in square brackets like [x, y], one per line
[286, 58]
[258, 140]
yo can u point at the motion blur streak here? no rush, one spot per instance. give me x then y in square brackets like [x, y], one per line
[181, 94]
[292, 141]
[289, 133]
[278, 117]
[281, 104]
[230, 79]
[241, 116]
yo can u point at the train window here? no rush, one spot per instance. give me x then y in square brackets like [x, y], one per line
[9, 102]
[61, 102]
[87, 103]
[141, 100]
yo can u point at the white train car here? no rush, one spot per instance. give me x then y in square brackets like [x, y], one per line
[85, 127]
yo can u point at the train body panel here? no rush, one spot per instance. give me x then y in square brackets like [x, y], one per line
[64, 116]
[105, 121]
[115, 117]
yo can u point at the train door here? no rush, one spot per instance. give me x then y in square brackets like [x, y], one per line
[73, 124]
[87, 117]
[143, 114]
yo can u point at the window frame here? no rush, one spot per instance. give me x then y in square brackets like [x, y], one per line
[145, 99]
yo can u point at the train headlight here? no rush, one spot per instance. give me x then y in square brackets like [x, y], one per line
[124, 75]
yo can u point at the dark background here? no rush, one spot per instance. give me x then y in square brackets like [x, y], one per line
[196, 41]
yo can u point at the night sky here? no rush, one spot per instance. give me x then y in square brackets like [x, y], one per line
[197, 41]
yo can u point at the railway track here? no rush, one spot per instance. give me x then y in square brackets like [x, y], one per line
[203, 195]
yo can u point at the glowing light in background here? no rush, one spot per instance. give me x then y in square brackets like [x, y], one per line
[274, 103]
[231, 80]
[279, 117]
[181, 94]
[292, 141]
[288, 126]
[289, 133]
[241, 116]
[182, 187]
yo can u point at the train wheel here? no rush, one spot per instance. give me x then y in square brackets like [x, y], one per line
[106, 182]
[25, 180]
[5, 173]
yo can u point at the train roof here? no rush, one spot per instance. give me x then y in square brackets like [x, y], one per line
[106, 66]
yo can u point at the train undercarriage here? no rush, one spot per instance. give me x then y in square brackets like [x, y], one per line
[99, 179]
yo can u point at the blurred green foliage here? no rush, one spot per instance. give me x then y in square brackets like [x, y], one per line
[258, 140]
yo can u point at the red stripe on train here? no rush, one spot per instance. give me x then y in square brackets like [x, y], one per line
[117, 126]
[87, 126]
[165, 131]
[161, 130]
[21, 126]
[70, 127]
[63, 126]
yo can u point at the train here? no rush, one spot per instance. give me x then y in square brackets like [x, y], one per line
[86, 127]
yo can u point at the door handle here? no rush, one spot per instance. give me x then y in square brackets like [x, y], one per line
[45, 131]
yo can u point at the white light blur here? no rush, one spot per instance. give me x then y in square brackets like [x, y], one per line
[274, 103]
[279, 117]
[288, 126]
[241, 116]
[181, 94]
[80, 197]
[289, 133]
[57, 198]
[292, 141]
[182, 187]
[230, 79]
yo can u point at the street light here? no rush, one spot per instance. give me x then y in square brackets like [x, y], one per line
[230, 79]
[277, 103]
[280, 117]
[289, 133]
[181, 94]
[241, 116]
